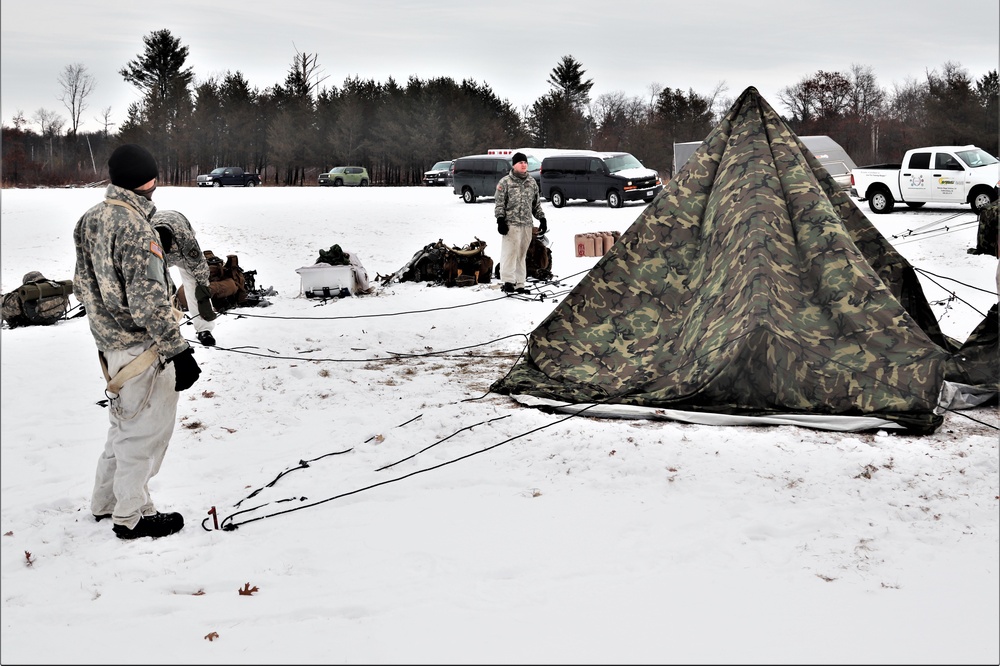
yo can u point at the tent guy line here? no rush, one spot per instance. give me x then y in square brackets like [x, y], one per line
[229, 522]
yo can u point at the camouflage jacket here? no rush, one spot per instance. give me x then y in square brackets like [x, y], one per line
[121, 278]
[517, 200]
[185, 251]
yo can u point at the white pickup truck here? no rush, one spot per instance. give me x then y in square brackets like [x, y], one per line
[938, 174]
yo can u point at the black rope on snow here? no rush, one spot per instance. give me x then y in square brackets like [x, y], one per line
[228, 524]
[302, 465]
[444, 439]
[397, 356]
[373, 315]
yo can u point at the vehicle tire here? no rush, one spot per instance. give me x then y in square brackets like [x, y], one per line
[338, 182]
[614, 199]
[915, 204]
[980, 199]
[216, 184]
[251, 183]
[557, 199]
[468, 196]
[364, 183]
[881, 201]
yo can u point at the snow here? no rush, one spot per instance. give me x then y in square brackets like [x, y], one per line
[457, 526]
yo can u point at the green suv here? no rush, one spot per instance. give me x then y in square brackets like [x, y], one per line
[345, 175]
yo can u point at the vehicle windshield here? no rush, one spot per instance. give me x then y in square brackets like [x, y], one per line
[976, 157]
[836, 168]
[533, 164]
[622, 162]
[337, 170]
[441, 166]
[216, 172]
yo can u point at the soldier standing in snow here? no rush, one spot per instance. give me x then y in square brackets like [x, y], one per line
[516, 201]
[122, 281]
[182, 250]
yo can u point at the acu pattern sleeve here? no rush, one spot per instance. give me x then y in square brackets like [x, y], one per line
[142, 265]
[500, 198]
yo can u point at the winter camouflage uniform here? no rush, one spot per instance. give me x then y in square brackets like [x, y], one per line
[516, 200]
[185, 253]
[122, 282]
[121, 278]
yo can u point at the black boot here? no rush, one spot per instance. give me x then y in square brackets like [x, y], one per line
[508, 288]
[157, 525]
[206, 338]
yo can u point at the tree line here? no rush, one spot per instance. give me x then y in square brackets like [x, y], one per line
[292, 131]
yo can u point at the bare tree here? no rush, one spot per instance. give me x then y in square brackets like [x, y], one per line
[305, 75]
[49, 122]
[716, 102]
[20, 122]
[105, 120]
[76, 85]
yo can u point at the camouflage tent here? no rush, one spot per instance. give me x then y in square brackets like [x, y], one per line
[752, 286]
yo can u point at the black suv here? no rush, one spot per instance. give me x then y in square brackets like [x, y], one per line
[615, 177]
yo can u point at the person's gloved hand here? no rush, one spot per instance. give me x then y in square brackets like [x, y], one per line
[203, 295]
[185, 368]
[543, 228]
[502, 226]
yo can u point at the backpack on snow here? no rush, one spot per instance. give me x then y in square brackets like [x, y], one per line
[453, 266]
[37, 302]
[227, 282]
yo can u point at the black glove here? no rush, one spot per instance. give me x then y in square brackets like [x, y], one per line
[204, 297]
[185, 368]
[543, 228]
[502, 226]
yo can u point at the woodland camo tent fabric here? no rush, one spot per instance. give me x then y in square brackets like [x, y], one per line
[751, 285]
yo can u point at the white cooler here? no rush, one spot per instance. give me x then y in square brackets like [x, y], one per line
[326, 281]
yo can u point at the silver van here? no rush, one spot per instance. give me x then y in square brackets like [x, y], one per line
[478, 175]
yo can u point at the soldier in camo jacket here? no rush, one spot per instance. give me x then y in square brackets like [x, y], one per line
[516, 201]
[184, 252]
[122, 282]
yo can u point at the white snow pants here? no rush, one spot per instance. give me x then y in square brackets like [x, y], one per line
[142, 422]
[513, 251]
[187, 279]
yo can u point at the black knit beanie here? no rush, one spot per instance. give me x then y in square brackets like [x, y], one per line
[518, 157]
[131, 166]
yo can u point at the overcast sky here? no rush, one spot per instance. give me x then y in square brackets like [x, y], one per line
[512, 47]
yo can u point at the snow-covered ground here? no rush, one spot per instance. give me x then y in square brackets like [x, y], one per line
[453, 525]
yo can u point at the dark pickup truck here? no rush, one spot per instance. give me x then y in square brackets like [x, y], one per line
[228, 177]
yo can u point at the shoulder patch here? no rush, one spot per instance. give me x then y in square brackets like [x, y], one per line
[500, 187]
[155, 248]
